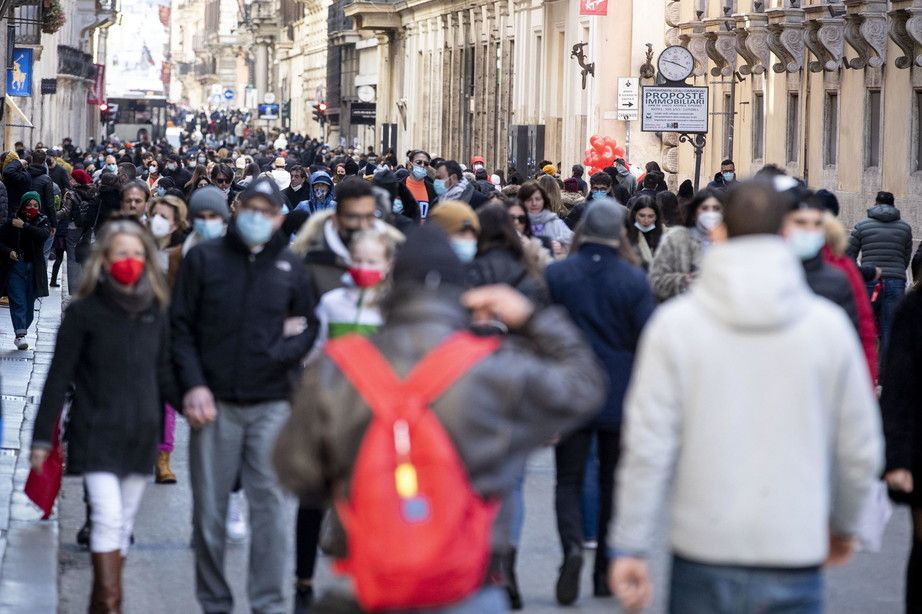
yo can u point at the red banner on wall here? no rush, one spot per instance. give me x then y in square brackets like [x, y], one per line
[593, 7]
[97, 93]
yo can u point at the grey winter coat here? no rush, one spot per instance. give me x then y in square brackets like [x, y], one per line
[883, 240]
[543, 381]
[678, 254]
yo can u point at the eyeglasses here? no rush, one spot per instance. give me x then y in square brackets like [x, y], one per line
[222, 181]
[520, 219]
[421, 162]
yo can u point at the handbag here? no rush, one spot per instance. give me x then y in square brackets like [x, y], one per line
[43, 488]
[875, 514]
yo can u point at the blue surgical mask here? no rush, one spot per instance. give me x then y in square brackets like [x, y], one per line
[440, 187]
[465, 249]
[209, 229]
[111, 168]
[729, 177]
[397, 206]
[419, 172]
[161, 191]
[806, 244]
[597, 194]
[254, 228]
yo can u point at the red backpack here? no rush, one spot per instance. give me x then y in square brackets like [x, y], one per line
[418, 534]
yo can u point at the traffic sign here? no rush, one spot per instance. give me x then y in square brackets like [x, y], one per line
[628, 90]
[229, 94]
[268, 97]
[674, 109]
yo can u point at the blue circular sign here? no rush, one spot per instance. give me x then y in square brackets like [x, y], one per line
[229, 94]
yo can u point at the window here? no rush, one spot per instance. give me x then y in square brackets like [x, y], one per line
[793, 128]
[872, 130]
[758, 126]
[728, 126]
[918, 131]
[831, 128]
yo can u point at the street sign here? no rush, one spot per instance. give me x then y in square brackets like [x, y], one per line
[268, 97]
[229, 94]
[49, 86]
[628, 116]
[674, 109]
[19, 75]
[628, 90]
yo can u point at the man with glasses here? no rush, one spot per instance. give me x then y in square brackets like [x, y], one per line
[230, 305]
[222, 177]
[418, 184]
[324, 242]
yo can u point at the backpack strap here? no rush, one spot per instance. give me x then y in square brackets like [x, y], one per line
[368, 371]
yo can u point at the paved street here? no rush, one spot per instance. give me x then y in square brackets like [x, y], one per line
[159, 570]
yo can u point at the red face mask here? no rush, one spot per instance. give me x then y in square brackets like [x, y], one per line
[127, 271]
[366, 278]
[30, 213]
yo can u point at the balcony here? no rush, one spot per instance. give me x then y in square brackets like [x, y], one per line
[27, 19]
[73, 62]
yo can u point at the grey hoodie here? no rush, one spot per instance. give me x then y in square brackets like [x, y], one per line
[548, 224]
[751, 398]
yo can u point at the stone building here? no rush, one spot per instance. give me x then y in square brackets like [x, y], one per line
[830, 91]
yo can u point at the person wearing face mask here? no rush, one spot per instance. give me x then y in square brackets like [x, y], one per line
[323, 240]
[234, 360]
[450, 184]
[321, 195]
[23, 268]
[726, 178]
[298, 190]
[544, 222]
[644, 229]
[461, 225]
[420, 189]
[600, 186]
[805, 233]
[175, 171]
[675, 265]
[153, 175]
[106, 165]
[116, 322]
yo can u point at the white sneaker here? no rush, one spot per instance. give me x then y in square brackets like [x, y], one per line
[236, 517]
[21, 343]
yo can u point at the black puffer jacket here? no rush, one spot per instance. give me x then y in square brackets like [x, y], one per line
[883, 240]
[832, 284]
[228, 315]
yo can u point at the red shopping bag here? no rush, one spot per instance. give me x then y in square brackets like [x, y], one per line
[43, 488]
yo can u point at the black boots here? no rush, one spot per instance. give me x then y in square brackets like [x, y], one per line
[568, 582]
[512, 583]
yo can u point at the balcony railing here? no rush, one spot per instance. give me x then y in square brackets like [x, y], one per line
[27, 18]
[72, 61]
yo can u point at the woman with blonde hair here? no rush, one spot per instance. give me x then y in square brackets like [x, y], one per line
[113, 347]
[554, 197]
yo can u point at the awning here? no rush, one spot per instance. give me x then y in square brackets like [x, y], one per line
[12, 113]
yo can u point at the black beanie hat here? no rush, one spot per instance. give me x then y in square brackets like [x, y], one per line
[427, 259]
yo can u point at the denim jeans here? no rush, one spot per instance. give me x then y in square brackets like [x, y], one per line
[890, 296]
[21, 291]
[699, 588]
[570, 459]
[590, 498]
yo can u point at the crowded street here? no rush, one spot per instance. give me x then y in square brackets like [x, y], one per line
[358, 306]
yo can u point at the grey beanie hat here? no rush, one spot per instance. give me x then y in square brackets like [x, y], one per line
[209, 198]
[602, 222]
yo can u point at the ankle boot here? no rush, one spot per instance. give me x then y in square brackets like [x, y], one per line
[512, 582]
[165, 475]
[107, 583]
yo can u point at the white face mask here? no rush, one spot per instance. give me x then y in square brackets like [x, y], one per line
[709, 220]
[160, 226]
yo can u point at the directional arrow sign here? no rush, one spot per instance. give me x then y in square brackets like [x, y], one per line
[628, 90]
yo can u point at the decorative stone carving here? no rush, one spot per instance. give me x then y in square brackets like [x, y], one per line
[752, 43]
[866, 32]
[693, 38]
[906, 32]
[673, 13]
[721, 45]
[786, 39]
[825, 38]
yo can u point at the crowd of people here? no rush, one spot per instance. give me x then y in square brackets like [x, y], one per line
[650, 336]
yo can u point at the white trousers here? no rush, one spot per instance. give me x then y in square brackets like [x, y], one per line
[114, 503]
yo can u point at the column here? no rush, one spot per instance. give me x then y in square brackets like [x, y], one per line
[261, 68]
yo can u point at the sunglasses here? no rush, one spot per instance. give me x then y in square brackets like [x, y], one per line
[421, 163]
[520, 219]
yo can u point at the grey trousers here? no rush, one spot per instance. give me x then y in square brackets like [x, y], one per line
[74, 268]
[240, 442]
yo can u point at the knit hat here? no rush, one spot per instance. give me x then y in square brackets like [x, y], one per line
[550, 169]
[495, 180]
[30, 196]
[478, 160]
[454, 216]
[81, 176]
[427, 259]
[241, 163]
[570, 184]
[279, 162]
[602, 222]
[264, 188]
[209, 198]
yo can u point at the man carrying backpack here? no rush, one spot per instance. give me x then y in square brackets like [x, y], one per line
[428, 422]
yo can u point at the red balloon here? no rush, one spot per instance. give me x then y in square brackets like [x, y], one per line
[595, 141]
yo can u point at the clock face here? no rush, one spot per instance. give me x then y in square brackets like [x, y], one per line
[676, 63]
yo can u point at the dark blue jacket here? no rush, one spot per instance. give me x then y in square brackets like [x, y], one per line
[610, 300]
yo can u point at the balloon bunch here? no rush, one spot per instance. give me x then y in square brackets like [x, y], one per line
[602, 153]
